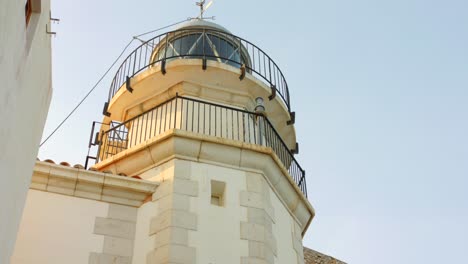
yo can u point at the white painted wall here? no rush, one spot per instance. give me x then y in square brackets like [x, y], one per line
[143, 242]
[57, 229]
[25, 93]
[217, 239]
[283, 231]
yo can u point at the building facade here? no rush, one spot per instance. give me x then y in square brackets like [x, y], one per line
[25, 93]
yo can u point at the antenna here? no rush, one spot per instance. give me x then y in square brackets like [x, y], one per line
[203, 8]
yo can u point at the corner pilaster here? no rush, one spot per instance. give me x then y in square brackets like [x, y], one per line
[171, 226]
[118, 229]
[258, 229]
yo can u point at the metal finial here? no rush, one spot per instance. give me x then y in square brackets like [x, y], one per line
[203, 8]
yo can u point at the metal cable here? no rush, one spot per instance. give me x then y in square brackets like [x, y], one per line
[104, 75]
[86, 96]
[168, 26]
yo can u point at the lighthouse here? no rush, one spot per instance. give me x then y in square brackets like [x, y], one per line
[194, 163]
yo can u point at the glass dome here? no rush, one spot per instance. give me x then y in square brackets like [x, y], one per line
[202, 39]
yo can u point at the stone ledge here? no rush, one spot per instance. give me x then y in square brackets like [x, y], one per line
[91, 184]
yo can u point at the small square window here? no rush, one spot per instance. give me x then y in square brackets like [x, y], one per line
[215, 200]
[217, 192]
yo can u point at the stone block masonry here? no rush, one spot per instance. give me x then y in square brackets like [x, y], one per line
[257, 230]
[118, 229]
[171, 226]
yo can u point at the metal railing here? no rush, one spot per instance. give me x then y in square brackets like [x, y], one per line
[205, 44]
[202, 118]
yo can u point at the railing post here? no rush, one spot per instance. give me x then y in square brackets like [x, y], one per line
[134, 61]
[98, 156]
[91, 136]
[269, 66]
[261, 129]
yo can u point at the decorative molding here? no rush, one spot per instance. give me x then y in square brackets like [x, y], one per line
[92, 185]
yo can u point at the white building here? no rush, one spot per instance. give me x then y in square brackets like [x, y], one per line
[25, 93]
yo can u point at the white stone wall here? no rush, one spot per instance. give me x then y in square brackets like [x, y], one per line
[25, 93]
[287, 233]
[74, 215]
[218, 238]
[57, 229]
[200, 212]
[250, 225]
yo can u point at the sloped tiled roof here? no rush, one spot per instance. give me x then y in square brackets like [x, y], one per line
[314, 257]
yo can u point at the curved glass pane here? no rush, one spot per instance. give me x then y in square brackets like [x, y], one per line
[197, 45]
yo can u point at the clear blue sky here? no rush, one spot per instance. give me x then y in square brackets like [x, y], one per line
[380, 89]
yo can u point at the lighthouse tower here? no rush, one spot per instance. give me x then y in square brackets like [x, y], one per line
[206, 115]
[195, 163]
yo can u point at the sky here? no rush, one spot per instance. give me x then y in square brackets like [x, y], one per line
[380, 91]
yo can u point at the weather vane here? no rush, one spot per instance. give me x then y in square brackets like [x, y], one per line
[203, 8]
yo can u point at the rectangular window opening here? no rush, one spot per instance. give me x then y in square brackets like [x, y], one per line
[217, 192]
[28, 11]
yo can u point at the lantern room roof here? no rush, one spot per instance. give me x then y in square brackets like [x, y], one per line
[201, 23]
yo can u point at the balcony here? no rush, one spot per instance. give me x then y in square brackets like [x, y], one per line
[204, 44]
[199, 117]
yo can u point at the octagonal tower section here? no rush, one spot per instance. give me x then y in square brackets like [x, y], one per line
[207, 115]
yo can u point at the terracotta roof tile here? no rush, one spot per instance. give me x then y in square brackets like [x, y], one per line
[314, 257]
[78, 166]
[81, 167]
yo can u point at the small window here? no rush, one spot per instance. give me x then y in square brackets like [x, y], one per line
[217, 192]
[28, 10]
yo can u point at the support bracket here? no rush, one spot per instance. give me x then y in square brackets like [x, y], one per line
[242, 75]
[273, 92]
[204, 64]
[104, 111]
[163, 67]
[50, 32]
[293, 118]
[128, 85]
[296, 149]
